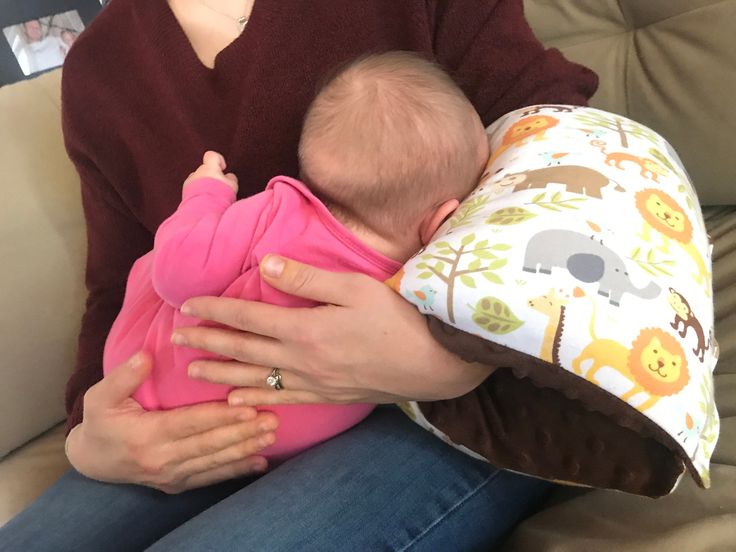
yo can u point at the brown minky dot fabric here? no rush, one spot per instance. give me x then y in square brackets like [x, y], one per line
[536, 418]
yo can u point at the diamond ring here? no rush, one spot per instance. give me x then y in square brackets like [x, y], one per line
[274, 379]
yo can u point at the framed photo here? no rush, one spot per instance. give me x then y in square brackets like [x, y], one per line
[37, 34]
[43, 43]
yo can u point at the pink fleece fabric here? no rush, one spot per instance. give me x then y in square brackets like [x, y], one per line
[212, 245]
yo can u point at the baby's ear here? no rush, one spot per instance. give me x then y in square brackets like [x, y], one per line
[434, 219]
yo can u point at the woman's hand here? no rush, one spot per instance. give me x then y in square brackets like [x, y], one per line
[366, 344]
[172, 450]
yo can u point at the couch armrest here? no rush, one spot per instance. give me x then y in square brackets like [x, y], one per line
[42, 249]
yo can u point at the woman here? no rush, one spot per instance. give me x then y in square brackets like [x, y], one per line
[147, 88]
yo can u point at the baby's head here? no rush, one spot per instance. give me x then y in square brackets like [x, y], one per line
[68, 37]
[391, 143]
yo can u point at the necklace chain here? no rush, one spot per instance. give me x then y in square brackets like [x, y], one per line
[242, 21]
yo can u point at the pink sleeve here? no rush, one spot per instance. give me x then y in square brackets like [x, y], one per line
[203, 246]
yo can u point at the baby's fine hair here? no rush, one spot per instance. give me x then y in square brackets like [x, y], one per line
[386, 138]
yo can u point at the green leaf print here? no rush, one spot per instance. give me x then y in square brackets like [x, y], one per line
[501, 247]
[494, 316]
[467, 240]
[482, 254]
[467, 210]
[653, 264]
[492, 277]
[474, 265]
[467, 280]
[555, 203]
[509, 216]
[499, 263]
[425, 275]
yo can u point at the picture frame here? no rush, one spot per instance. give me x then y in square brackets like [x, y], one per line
[37, 34]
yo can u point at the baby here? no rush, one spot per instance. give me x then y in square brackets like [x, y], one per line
[388, 148]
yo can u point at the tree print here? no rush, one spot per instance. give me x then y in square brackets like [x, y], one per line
[445, 264]
[619, 125]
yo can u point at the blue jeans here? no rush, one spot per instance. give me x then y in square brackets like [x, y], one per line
[386, 484]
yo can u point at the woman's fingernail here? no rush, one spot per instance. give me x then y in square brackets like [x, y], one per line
[194, 371]
[178, 339]
[235, 401]
[186, 310]
[267, 439]
[260, 466]
[272, 266]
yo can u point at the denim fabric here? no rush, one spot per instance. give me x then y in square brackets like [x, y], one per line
[386, 484]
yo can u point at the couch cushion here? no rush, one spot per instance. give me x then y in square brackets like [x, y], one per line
[660, 62]
[42, 254]
[27, 472]
[689, 519]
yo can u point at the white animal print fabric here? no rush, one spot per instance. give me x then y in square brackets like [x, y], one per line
[584, 245]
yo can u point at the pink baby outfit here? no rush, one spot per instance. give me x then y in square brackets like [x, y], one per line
[212, 245]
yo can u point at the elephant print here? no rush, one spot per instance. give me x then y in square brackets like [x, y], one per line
[587, 260]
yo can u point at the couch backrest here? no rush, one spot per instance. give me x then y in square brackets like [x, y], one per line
[42, 248]
[670, 64]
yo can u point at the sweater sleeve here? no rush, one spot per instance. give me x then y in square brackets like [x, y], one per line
[114, 240]
[491, 51]
[205, 244]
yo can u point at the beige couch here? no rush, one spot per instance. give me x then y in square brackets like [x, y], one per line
[668, 63]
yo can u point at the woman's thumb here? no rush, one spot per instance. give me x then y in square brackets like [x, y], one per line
[307, 281]
[121, 382]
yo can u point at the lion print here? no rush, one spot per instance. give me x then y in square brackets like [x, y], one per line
[663, 215]
[522, 131]
[655, 364]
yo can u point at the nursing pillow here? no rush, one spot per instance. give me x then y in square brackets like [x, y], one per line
[581, 262]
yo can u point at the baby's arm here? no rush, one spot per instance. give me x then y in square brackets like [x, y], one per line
[202, 247]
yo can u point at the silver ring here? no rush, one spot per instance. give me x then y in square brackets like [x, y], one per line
[274, 380]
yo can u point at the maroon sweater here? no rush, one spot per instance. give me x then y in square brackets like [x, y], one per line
[139, 109]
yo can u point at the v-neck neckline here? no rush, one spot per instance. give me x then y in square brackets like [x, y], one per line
[179, 41]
